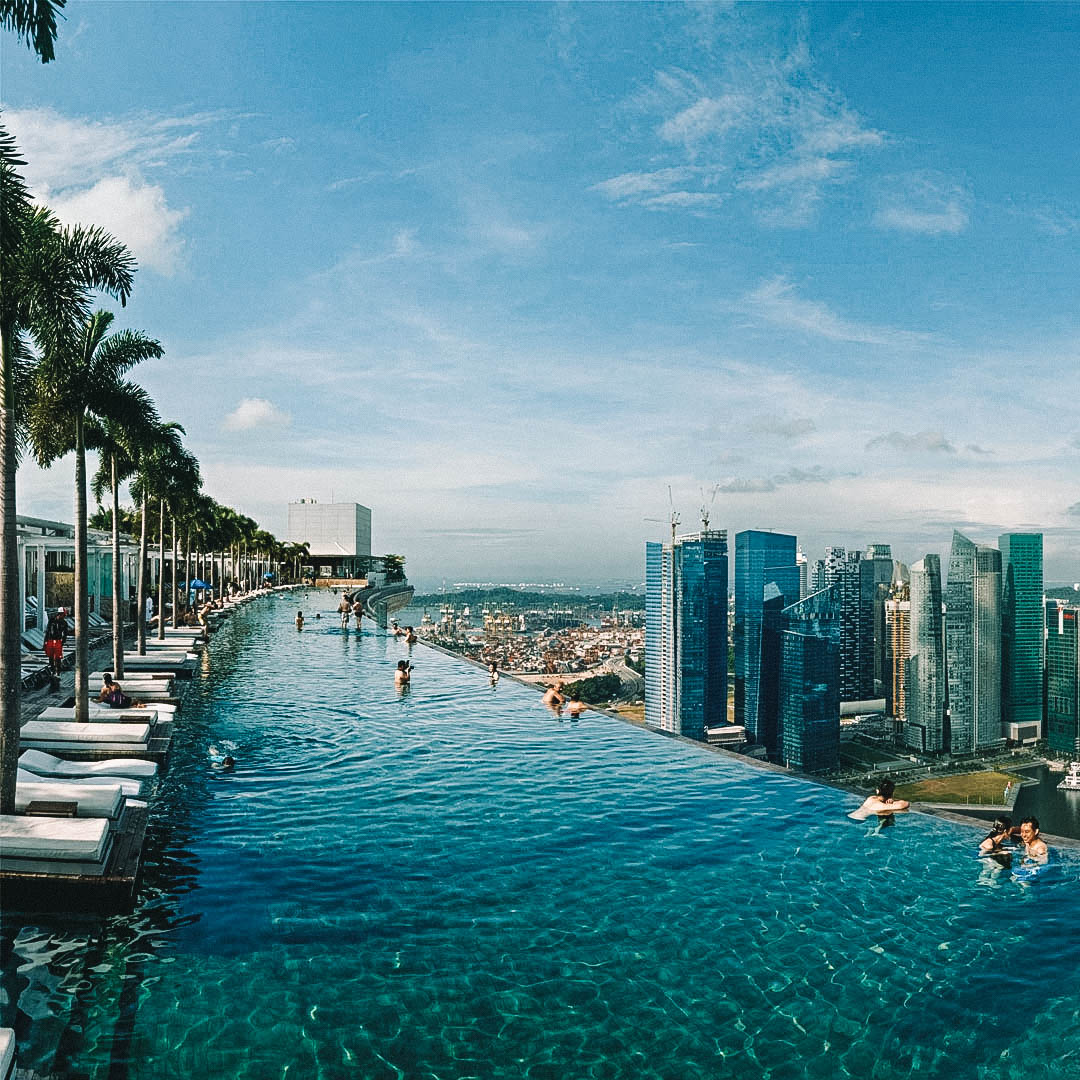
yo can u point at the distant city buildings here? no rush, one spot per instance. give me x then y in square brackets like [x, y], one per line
[897, 648]
[1063, 678]
[686, 633]
[924, 694]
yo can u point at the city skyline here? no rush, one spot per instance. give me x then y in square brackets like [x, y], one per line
[504, 274]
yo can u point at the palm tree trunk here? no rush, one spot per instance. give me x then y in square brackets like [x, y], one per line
[10, 630]
[175, 603]
[161, 572]
[117, 620]
[140, 596]
[187, 568]
[82, 653]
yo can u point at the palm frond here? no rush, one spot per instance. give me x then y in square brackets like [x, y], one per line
[35, 22]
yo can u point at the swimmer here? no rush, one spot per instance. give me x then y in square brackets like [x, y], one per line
[493, 672]
[881, 802]
[575, 708]
[410, 636]
[228, 762]
[554, 696]
[1035, 848]
[403, 675]
[318, 614]
[299, 620]
[1001, 831]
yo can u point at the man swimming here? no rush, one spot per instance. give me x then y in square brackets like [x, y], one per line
[1034, 845]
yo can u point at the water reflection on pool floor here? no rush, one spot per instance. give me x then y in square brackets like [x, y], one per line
[450, 882]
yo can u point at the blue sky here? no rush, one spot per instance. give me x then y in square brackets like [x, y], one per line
[504, 273]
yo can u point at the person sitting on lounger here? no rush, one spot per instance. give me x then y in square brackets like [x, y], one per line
[881, 802]
[112, 694]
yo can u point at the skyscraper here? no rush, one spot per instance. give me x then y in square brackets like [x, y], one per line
[843, 573]
[875, 578]
[686, 633]
[1063, 678]
[809, 683]
[897, 649]
[973, 646]
[1022, 628]
[924, 682]
[760, 558]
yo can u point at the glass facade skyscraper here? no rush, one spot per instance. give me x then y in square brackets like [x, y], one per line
[760, 558]
[1022, 629]
[875, 579]
[924, 675]
[973, 646]
[809, 684]
[686, 639]
[1063, 678]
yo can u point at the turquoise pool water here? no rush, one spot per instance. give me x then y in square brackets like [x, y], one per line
[452, 883]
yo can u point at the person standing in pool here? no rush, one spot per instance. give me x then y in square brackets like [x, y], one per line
[299, 620]
[403, 675]
[358, 611]
[881, 802]
[1034, 845]
[493, 672]
[345, 610]
[994, 843]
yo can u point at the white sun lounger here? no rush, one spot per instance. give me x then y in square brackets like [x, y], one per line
[54, 845]
[7, 1053]
[90, 800]
[99, 713]
[129, 788]
[50, 765]
[70, 735]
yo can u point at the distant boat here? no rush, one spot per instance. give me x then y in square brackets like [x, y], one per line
[1072, 778]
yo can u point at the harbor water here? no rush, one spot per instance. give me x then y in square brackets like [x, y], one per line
[453, 882]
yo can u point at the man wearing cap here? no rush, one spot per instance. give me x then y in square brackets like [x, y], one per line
[56, 633]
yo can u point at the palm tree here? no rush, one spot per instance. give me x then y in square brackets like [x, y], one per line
[78, 377]
[119, 441]
[151, 475]
[46, 270]
[35, 21]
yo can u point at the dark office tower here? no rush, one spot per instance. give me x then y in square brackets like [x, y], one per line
[1063, 678]
[843, 573]
[809, 684]
[973, 646]
[924, 683]
[816, 577]
[875, 577]
[760, 558]
[686, 633]
[1022, 628]
[767, 729]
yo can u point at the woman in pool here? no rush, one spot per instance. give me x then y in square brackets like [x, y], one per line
[299, 620]
[994, 844]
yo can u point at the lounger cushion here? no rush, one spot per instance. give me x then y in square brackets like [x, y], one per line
[50, 765]
[90, 800]
[7, 1052]
[83, 734]
[81, 839]
[128, 787]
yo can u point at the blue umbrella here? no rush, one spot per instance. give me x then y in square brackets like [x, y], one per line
[197, 584]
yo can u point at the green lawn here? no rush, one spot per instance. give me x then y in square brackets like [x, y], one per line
[971, 788]
[866, 755]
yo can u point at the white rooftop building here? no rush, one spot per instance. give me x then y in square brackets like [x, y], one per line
[338, 535]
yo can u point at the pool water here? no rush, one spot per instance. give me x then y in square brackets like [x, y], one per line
[451, 882]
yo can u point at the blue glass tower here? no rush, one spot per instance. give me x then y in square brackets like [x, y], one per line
[686, 682]
[761, 558]
[809, 687]
[1063, 678]
[1021, 628]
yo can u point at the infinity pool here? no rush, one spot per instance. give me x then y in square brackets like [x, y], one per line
[453, 883]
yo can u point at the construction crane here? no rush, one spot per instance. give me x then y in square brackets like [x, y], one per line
[706, 505]
[673, 516]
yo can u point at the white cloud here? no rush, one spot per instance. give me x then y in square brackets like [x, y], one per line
[776, 301]
[254, 413]
[804, 171]
[923, 203]
[94, 172]
[707, 118]
[136, 214]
